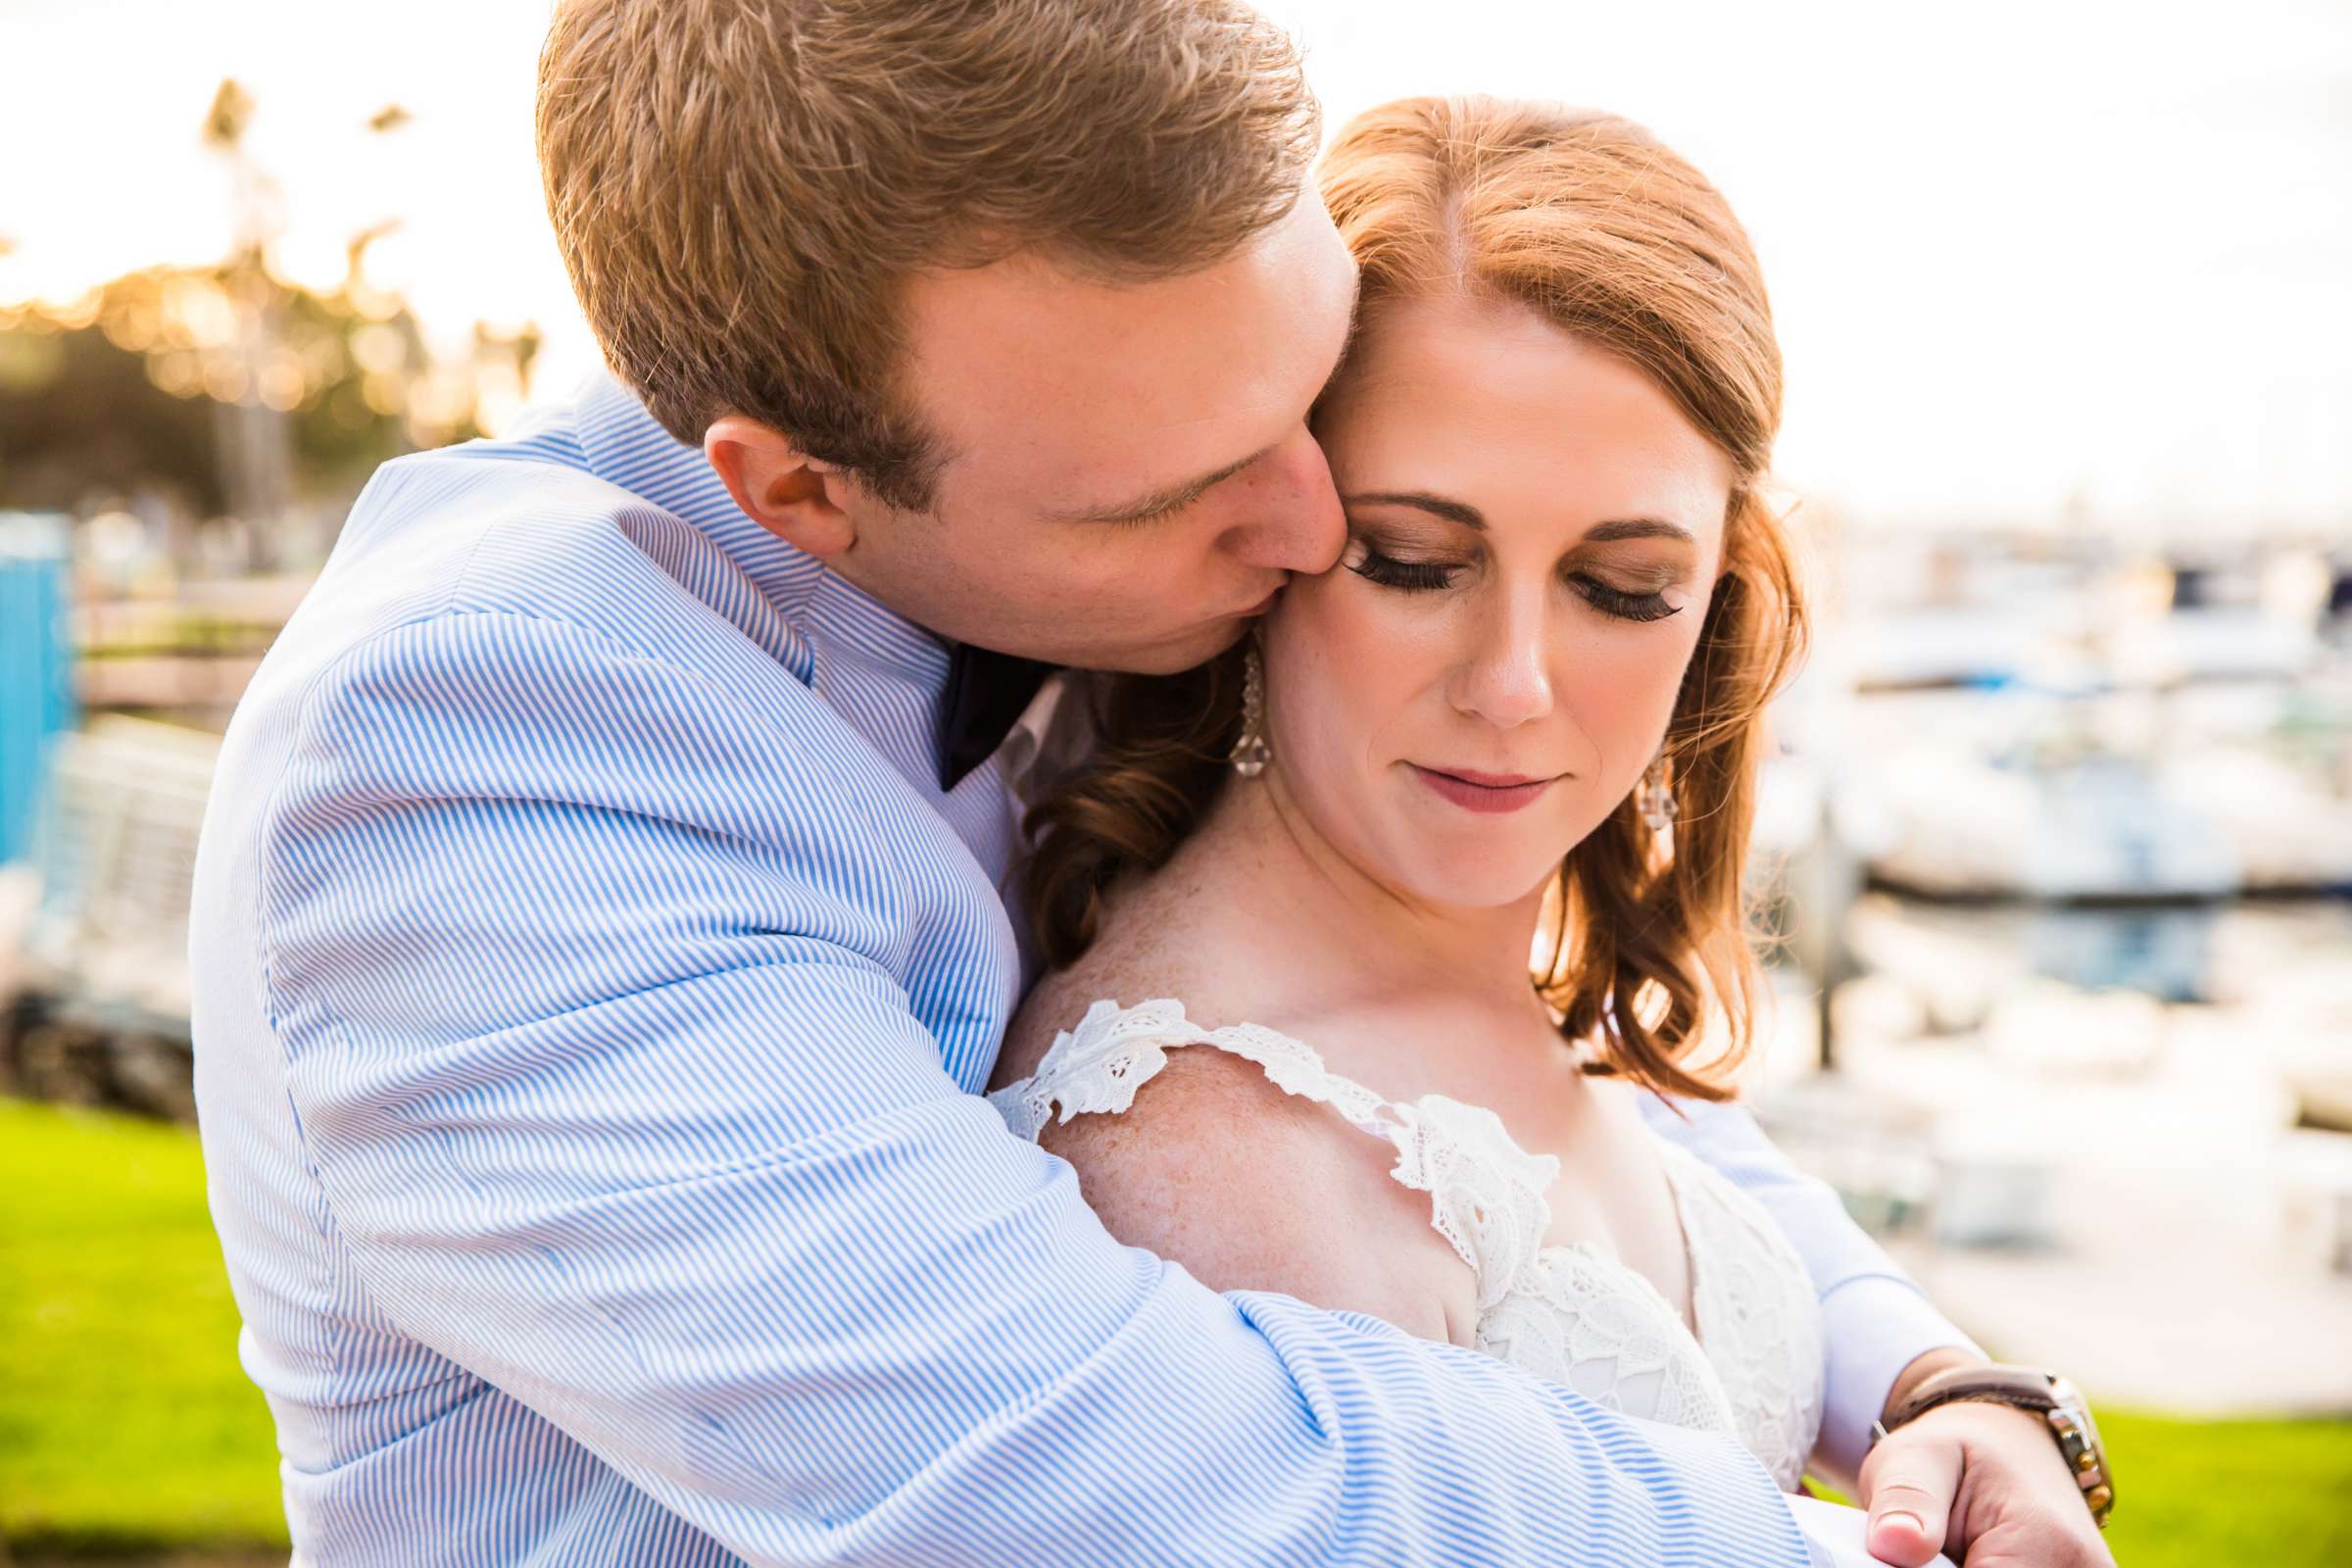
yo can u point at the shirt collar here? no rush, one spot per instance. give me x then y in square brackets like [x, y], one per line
[1053, 733]
[626, 446]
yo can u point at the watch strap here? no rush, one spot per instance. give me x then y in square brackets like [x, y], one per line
[2022, 1388]
[2026, 1388]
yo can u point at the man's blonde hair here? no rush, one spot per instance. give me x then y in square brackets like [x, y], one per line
[741, 187]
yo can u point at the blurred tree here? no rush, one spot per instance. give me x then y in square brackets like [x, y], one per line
[82, 420]
[110, 392]
[257, 449]
[231, 111]
[228, 387]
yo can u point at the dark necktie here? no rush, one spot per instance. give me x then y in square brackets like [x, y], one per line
[987, 692]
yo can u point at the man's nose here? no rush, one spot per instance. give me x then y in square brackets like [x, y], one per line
[1288, 516]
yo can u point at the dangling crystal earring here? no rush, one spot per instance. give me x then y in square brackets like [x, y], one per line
[1654, 797]
[1251, 754]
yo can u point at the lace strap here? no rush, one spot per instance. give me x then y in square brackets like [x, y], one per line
[1487, 1194]
[1115, 1051]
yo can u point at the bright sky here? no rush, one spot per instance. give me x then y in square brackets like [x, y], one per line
[2030, 257]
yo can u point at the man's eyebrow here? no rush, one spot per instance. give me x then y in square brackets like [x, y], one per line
[1168, 500]
[1469, 516]
[1184, 495]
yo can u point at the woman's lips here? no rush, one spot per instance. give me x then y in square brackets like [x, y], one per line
[1483, 792]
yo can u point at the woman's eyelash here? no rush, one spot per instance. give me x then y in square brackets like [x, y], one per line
[1413, 576]
[1416, 576]
[1624, 606]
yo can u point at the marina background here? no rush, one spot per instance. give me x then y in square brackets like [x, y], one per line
[2056, 857]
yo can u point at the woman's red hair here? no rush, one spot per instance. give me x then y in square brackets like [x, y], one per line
[1585, 219]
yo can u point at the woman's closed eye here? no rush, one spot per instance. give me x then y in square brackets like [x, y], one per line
[1422, 576]
[1614, 601]
[1411, 577]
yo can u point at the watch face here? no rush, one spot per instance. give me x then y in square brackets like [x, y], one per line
[2070, 1399]
[2100, 1495]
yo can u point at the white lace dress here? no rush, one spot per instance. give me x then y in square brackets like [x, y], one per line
[1570, 1312]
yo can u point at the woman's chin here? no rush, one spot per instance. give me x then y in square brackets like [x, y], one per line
[1464, 882]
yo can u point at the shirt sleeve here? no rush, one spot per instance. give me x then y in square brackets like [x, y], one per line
[584, 969]
[1875, 1321]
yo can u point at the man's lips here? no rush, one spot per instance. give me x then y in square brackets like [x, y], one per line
[1474, 791]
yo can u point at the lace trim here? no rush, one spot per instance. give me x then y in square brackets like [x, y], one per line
[1115, 1051]
[1485, 1192]
[1572, 1312]
[1758, 1315]
[1581, 1317]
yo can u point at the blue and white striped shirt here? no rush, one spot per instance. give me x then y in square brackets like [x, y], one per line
[592, 985]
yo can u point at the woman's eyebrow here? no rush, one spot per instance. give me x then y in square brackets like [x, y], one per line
[1469, 516]
[1638, 528]
[1461, 512]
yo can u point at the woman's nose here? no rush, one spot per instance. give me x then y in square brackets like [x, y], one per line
[1506, 679]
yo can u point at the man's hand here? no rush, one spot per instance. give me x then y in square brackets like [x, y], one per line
[1984, 1480]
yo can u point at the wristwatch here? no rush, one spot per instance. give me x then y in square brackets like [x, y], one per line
[2045, 1393]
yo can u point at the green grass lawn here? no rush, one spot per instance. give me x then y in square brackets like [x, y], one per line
[125, 1425]
[2212, 1493]
[124, 1420]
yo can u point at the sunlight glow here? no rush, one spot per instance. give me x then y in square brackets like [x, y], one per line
[2031, 261]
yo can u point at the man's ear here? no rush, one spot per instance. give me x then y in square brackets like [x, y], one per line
[779, 486]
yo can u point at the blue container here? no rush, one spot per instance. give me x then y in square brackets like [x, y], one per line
[37, 666]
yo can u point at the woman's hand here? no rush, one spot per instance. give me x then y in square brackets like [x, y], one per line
[1984, 1480]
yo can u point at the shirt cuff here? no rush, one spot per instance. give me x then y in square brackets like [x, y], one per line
[1875, 1325]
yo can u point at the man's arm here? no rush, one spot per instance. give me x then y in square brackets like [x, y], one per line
[1877, 1324]
[581, 965]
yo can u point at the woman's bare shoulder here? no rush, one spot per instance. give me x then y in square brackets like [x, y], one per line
[1157, 945]
[1216, 1167]
[1056, 1003]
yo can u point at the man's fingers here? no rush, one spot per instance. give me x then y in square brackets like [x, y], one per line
[1909, 1488]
